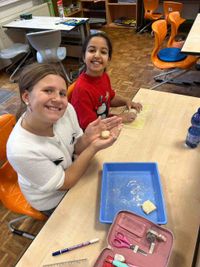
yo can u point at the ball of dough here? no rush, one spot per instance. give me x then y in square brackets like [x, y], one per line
[105, 134]
[131, 110]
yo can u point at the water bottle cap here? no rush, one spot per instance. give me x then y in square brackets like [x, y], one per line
[196, 118]
[59, 2]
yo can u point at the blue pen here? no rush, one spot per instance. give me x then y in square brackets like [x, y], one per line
[58, 252]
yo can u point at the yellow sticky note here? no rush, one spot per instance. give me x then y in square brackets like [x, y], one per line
[146, 108]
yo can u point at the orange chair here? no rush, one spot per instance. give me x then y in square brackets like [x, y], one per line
[149, 7]
[10, 193]
[175, 21]
[160, 31]
[70, 90]
[170, 6]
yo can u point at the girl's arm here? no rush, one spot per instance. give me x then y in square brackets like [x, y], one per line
[93, 131]
[119, 101]
[78, 168]
[94, 144]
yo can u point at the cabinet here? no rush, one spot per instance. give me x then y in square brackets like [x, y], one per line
[101, 11]
[72, 8]
[95, 10]
[130, 9]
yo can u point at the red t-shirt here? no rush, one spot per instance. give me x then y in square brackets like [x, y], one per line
[91, 98]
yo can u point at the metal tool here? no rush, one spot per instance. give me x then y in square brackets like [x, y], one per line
[72, 263]
[151, 238]
[158, 236]
[120, 241]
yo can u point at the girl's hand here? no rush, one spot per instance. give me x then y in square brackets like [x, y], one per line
[128, 116]
[93, 131]
[100, 143]
[136, 106]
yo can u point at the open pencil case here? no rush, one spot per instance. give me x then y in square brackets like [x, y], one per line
[146, 243]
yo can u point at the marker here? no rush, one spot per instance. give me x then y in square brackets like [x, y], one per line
[58, 252]
[120, 264]
[117, 263]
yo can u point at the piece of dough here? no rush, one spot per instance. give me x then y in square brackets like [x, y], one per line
[130, 110]
[148, 207]
[105, 134]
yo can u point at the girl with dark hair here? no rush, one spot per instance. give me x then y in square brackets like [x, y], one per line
[47, 135]
[93, 95]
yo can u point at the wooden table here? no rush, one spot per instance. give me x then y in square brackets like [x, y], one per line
[160, 140]
[192, 43]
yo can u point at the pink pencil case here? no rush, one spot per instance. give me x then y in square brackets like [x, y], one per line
[146, 243]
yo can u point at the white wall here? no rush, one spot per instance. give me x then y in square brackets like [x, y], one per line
[19, 6]
[13, 11]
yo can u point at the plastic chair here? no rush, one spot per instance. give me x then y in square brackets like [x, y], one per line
[18, 53]
[47, 45]
[160, 31]
[170, 6]
[10, 193]
[70, 91]
[175, 21]
[149, 7]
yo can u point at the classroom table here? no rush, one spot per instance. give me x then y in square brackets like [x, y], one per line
[192, 42]
[50, 23]
[159, 137]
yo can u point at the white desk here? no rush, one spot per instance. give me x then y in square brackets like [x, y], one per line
[160, 140]
[192, 43]
[43, 23]
[52, 23]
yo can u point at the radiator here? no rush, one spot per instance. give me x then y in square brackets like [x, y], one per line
[10, 36]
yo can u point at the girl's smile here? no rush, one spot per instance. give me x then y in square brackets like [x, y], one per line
[96, 56]
[47, 101]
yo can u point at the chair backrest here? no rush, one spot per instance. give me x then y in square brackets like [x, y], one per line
[44, 39]
[175, 21]
[70, 90]
[7, 122]
[10, 193]
[47, 45]
[159, 28]
[170, 6]
[149, 7]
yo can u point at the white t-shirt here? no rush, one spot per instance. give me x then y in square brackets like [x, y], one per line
[40, 161]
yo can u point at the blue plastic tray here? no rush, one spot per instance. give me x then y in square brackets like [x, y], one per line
[125, 186]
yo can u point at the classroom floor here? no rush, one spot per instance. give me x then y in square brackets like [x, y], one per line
[129, 69]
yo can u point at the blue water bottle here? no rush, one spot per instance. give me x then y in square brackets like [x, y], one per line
[195, 121]
[193, 135]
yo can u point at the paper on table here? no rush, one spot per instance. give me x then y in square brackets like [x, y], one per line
[139, 122]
